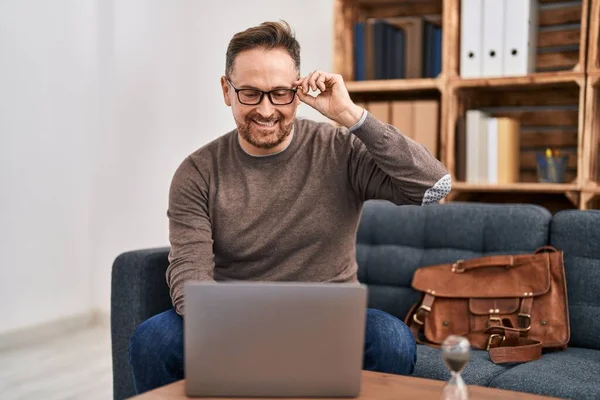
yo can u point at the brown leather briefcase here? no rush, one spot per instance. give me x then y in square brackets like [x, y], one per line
[514, 306]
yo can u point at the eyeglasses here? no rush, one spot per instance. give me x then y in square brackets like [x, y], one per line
[252, 97]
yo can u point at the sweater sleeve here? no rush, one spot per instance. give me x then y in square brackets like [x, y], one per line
[388, 165]
[190, 235]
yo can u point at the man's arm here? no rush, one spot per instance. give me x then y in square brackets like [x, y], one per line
[190, 234]
[386, 164]
[383, 163]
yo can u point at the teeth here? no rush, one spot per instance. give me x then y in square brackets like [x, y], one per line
[266, 124]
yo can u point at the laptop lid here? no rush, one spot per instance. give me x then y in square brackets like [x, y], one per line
[274, 339]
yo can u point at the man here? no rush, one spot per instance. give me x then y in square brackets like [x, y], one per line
[279, 198]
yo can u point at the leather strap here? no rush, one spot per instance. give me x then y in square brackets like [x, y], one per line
[524, 317]
[418, 317]
[509, 348]
[489, 261]
[546, 249]
[521, 351]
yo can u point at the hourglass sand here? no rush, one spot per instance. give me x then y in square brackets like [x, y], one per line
[456, 351]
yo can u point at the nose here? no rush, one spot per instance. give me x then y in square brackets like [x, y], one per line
[265, 108]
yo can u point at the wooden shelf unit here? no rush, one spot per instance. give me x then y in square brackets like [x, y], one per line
[593, 57]
[591, 154]
[556, 95]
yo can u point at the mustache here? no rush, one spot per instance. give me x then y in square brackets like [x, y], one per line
[257, 117]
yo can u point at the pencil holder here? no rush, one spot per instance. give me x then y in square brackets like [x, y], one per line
[551, 168]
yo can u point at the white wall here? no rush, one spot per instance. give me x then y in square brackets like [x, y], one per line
[100, 101]
[166, 102]
[48, 112]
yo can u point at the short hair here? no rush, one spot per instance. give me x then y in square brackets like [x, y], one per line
[268, 35]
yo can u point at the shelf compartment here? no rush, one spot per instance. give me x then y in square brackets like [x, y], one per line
[548, 115]
[562, 35]
[407, 21]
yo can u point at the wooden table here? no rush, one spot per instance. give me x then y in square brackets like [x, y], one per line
[374, 386]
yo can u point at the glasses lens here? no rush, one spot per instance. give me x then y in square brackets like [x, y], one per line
[249, 96]
[282, 96]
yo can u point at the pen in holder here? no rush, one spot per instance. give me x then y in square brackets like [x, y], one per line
[551, 166]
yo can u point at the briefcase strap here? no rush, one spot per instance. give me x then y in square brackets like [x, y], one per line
[508, 347]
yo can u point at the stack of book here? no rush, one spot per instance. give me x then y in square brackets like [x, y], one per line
[398, 48]
[488, 149]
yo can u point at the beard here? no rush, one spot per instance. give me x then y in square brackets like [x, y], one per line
[264, 137]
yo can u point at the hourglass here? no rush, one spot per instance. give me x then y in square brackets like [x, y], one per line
[456, 351]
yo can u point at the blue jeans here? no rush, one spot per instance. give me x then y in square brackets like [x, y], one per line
[156, 348]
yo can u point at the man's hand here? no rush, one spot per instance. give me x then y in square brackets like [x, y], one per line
[334, 100]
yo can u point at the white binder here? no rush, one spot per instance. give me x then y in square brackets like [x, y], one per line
[471, 50]
[493, 34]
[520, 38]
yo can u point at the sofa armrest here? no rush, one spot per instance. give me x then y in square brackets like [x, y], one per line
[138, 291]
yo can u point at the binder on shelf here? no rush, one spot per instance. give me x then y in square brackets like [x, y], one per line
[471, 34]
[493, 38]
[520, 36]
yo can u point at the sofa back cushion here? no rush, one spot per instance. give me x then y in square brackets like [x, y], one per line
[577, 233]
[393, 241]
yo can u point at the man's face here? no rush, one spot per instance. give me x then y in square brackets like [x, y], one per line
[262, 125]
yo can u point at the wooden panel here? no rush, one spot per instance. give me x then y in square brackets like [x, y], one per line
[402, 10]
[451, 38]
[537, 81]
[546, 117]
[374, 386]
[342, 61]
[594, 38]
[591, 157]
[570, 14]
[392, 85]
[528, 160]
[554, 97]
[556, 138]
[530, 175]
[563, 37]
[556, 60]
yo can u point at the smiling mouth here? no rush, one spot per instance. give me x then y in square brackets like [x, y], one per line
[265, 124]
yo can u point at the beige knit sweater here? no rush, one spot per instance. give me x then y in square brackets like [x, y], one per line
[291, 216]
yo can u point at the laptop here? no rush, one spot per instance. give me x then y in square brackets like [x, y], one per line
[274, 339]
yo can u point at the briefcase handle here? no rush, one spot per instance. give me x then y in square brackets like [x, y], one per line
[506, 261]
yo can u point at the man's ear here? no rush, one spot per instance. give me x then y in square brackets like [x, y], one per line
[226, 89]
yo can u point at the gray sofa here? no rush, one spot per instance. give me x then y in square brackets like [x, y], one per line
[392, 242]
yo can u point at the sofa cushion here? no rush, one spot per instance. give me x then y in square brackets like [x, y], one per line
[577, 233]
[393, 241]
[571, 374]
[480, 370]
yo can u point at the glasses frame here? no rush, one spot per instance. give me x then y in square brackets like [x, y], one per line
[262, 95]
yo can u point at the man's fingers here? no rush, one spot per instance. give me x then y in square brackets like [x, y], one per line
[321, 83]
[313, 80]
[316, 80]
[307, 98]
